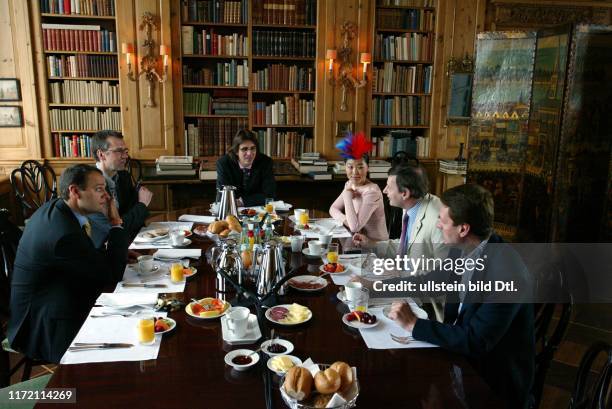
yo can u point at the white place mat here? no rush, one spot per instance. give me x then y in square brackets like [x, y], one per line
[162, 276]
[159, 244]
[378, 337]
[126, 299]
[323, 226]
[197, 218]
[178, 253]
[278, 205]
[112, 329]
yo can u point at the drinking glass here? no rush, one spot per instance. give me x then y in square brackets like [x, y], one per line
[332, 253]
[361, 300]
[304, 218]
[176, 273]
[146, 331]
[269, 208]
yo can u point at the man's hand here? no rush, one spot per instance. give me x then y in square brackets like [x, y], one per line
[144, 195]
[132, 256]
[401, 312]
[360, 240]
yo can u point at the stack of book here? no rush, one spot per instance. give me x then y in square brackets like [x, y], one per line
[339, 167]
[208, 170]
[453, 167]
[313, 165]
[379, 169]
[174, 166]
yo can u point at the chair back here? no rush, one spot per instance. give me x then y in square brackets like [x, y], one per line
[592, 388]
[33, 184]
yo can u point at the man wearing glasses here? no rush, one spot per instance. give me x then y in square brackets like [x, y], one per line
[250, 172]
[108, 147]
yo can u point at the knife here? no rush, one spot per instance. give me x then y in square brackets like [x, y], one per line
[144, 285]
[103, 344]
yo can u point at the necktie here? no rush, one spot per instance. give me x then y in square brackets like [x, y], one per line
[403, 236]
[87, 228]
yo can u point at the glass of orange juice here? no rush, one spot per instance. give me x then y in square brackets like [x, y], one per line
[176, 273]
[304, 218]
[146, 331]
[361, 300]
[269, 205]
[332, 253]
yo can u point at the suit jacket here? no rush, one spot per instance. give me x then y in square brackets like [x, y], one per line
[261, 184]
[58, 275]
[497, 338]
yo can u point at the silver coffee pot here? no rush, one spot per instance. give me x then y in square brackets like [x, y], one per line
[227, 256]
[271, 267]
[227, 204]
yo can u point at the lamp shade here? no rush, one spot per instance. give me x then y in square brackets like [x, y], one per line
[331, 54]
[365, 58]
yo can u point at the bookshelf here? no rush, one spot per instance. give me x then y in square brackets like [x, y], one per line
[264, 81]
[402, 76]
[79, 46]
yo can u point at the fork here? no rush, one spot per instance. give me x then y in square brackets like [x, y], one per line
[112, 314]
[401, 340]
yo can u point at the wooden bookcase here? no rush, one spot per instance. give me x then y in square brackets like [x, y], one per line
[81, 93]
[402, 76]
[276, 72]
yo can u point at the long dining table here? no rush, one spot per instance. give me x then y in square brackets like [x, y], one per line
[190, 370]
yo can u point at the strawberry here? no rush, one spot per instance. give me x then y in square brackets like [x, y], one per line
[196, 309]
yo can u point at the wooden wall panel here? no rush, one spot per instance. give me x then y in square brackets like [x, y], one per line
[16, 61]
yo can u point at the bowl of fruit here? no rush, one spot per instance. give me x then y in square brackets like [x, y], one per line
[207, 308]
[164, 324]
[333, 268]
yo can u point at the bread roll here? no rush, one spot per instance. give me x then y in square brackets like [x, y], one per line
[320, 401]
[298, 383]
[233, 223]
[346, 374]
[218, 227]
[225, 233]
[327, 381]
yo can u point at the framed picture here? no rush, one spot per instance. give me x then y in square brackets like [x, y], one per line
[9, 89]
[460, 74]
[10, 117]
[342, 127]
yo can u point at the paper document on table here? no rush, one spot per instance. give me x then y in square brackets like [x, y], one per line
[127, 300]
[379, 337]
[111, 329]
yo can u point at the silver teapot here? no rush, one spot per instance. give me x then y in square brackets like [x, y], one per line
[227, 256]
[271, 267]
[227, 203]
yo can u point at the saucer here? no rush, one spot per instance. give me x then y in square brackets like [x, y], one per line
[186, 242]
[306, 252]
[342, 296]
[357, 324]
[151, 271]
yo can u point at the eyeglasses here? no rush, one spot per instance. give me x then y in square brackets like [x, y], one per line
[252, 149]
[120, 151]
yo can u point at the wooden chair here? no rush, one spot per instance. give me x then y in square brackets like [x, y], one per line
[33, 184]
[597, 396]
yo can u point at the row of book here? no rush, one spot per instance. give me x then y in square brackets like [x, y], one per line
[413, 19]
[406, 47]
[71, 146]
[285, 12]
[401, 111]
[290, 111]
[229, 74]
[453, 167]
[387, 145]
[69, 37]
[84, 119]
[78, 7]
[402, 78]
[407, 3]
[280, 144]
[285, 77]
[284, 44]
[215, 11]
[202, 103]
[208, 42]
[84, 92]
[81, 65]
[212, 136]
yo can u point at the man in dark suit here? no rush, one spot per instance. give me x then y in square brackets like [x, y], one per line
[111, 153]
[58, 272]
[247, 170]
[494, 330]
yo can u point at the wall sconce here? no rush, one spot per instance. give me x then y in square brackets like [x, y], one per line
[345, 75]
[148, 63]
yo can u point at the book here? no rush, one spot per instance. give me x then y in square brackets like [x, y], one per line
[320, 175]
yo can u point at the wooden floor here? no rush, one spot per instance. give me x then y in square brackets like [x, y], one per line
[590, 323]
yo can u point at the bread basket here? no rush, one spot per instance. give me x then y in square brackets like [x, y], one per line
[294, 404]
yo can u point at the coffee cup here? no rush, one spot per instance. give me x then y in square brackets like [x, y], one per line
[297, 242]
[325, 239]
[145, 263]
[297, 212]
[352, 290]
[238, 321]
[314, 247]
[177, 237]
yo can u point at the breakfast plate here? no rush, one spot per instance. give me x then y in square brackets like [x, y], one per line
[418, 311]
[211, 308]
[280, 313]
[186, 242]
[306, 252]
[323, 270]
[201, 230]
[356, 323]
[168, 321]
[307, 283]
[152, 235]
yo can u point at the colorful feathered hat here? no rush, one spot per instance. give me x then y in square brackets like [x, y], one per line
[354, 146]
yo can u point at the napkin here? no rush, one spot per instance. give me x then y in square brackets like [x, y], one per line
[112, 329]
[197, 218]
[126, 299]
[178, 253]
[379, 336]
[131, 275]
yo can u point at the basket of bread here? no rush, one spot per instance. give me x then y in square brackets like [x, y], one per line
[311, 385]
[223, 228]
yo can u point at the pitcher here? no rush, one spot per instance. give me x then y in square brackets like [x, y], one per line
[227, 204]
[227, 256]
[271, 269]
